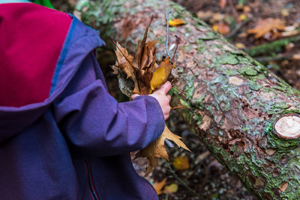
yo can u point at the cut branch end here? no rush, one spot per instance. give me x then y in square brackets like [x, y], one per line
[287, 126]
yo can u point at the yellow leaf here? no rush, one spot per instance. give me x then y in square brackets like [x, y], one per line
[240, 45]
[215, 27]
[285, 12]
[243, 17]
[159, 185]
[176, 22]
[161, 74]
[181, 163]
[170, 189]
[157, 149]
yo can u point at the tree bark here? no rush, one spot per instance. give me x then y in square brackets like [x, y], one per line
[246, 116]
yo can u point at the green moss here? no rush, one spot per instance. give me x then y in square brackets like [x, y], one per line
[248, 71]
[226, 59]
[282, 145]
[229, 72]
[198, 102]
[295, 111]
[254, 86]
[209, 36]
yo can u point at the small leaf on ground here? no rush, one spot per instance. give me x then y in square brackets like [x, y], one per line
[285, 12]
[204, 15]
[217, 17]
[266, 26]
[246, 9]
[158, 186]
[181, 163]
[170, 189]
[176, 22]
[243, 17]
[223, 28]
[240, 45]
[222, 3]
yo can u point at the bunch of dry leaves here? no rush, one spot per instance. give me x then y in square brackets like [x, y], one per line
[142, 74]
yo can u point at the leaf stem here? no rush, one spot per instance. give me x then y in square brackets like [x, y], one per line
[167, 196]
[182, 107]
[120, 50]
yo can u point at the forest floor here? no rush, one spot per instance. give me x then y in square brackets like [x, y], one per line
[277, 26]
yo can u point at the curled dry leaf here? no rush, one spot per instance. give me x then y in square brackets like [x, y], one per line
[124, 64]
[157, 149]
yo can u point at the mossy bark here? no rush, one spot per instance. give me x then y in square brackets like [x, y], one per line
[235, 100]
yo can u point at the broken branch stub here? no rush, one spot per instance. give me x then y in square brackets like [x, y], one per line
[288, 126]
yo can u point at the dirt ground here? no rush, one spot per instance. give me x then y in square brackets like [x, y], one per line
[205, 175]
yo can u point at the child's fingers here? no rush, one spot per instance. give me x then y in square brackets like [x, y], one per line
[165, 87]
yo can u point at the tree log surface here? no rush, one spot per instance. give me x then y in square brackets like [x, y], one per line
[236, 101]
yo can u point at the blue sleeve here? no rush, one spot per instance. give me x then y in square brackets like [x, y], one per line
[94, 122]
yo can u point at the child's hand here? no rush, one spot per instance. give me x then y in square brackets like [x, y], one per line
[162, 98]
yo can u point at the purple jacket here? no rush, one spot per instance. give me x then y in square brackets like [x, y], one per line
[75, 142]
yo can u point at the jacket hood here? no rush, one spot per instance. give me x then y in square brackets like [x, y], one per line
[80, 41]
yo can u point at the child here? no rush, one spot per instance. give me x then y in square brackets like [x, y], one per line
[62, 136]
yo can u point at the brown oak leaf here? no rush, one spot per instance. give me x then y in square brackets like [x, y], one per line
[157, 149]
[266, 26]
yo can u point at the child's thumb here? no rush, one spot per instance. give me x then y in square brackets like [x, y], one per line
[165, 87]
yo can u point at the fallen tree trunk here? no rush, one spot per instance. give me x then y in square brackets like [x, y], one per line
[246, 116]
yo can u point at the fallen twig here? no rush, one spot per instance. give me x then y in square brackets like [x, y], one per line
[238, 27]
[234, 10]
[167, 40]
